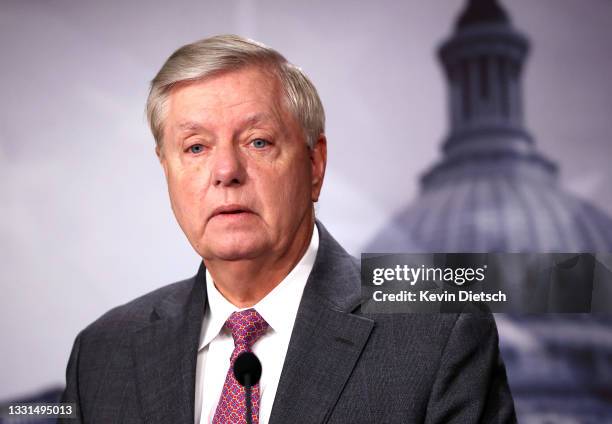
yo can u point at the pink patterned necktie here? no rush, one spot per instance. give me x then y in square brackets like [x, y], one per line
[246, 327]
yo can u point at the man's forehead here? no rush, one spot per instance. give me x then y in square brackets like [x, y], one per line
[232, 85]
[246, 120]
[245, 88]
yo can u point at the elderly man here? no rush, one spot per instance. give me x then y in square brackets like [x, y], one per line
[239, 133]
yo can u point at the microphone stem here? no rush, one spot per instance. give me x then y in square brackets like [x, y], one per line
[247, 387]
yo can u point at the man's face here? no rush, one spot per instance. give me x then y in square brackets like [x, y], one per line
[240, 175]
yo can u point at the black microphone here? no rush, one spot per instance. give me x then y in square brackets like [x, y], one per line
[247, 370]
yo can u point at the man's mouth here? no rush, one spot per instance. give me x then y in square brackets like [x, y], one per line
[231, 210]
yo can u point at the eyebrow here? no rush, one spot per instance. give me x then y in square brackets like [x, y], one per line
[256, 119]
[191, 126]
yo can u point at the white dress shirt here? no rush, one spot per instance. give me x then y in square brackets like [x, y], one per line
[279, 309]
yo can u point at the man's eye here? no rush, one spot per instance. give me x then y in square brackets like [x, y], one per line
[260, 143]
[196, 148]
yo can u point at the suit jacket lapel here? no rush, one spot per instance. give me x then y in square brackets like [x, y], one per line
[165, 354]
[326, 340]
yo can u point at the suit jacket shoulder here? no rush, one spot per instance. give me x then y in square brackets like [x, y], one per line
[391, 368]
[137, 361]
[142, 310]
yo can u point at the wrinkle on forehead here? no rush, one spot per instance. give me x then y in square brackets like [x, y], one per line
[250, 120]
[220, 86]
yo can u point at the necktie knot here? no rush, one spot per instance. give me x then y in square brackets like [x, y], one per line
[246, 327]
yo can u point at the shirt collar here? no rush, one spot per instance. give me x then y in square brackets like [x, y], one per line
[278, 308]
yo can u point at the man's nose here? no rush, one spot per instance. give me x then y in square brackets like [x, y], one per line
[228, 169]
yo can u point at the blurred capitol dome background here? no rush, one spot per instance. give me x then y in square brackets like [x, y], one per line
[493, 191]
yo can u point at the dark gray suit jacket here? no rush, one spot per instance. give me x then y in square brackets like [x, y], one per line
[136, 364]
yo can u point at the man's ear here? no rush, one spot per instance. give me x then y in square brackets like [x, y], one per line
[318, 160]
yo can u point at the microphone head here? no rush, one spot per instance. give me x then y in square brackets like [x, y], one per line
[247, 369]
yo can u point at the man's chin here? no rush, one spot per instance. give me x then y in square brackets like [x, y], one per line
[236, 253]
[236, 247]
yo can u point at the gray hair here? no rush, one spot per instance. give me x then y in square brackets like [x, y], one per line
[221, 53]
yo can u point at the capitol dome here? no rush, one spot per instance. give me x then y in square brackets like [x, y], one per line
[492, 191]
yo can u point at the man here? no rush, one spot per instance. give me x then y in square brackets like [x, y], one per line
[240, 137]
